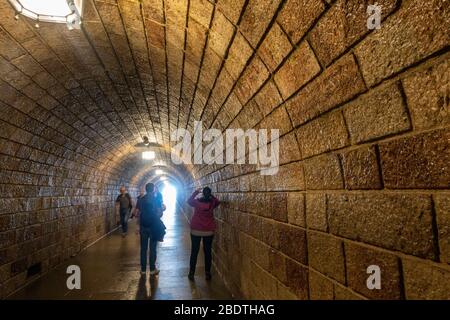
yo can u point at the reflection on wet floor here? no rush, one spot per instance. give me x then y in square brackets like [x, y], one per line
[110, 270]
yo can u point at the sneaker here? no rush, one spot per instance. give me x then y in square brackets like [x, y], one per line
[143, 273]
[154, 272]
[208, 276]
[191, 277]
[124, 234]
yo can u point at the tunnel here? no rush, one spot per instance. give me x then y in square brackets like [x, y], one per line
[357, 91]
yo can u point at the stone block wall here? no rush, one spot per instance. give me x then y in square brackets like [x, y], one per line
[364, 152]
[364, 149]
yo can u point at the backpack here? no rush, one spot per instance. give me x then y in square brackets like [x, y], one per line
[149, 211]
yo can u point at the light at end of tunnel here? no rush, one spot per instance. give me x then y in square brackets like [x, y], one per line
[148, 155]
[169, 193]
[159, 172]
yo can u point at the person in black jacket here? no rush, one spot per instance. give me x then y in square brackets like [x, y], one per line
[150, 208]
[125, 205]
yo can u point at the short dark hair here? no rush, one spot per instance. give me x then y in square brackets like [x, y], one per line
[149, 187]
[207, 191]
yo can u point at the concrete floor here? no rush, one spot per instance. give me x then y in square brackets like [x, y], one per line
[110, 270]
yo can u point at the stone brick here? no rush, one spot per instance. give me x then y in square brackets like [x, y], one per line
[260, 254]
[442, 207]
[288, 177]
[300, 67]
[221, 34]
[16, 79]
[420, 161]
[296, 208]
[19, 266]
[275, 47]
[298, 279]
[293, 242]
[322, 173]
[277, 265]
[359, 258]
[336, 85]
[8, 48]
[404, 39]
[283, 293]
[361, 169]
[290, 151]
[201, 10]
[231, 8]
[320, 288]
[343, 25]
[277, 119]
[279, 206]
[316, 214]
[379, 113]
[297, 16]
[268, 98]
[427, 94]
[326, 255]
[257, 182]
[323, 134]
[44, 80]
[252, 78]
[238, 55]
[255, 226]
[256, 19]
[343, 293]
[27, 65]
[425, 281]
[34, 92]
[392, 221]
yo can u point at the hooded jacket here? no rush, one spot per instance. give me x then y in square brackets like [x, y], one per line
[203, 218]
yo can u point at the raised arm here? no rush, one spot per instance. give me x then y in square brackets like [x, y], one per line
[192, 201]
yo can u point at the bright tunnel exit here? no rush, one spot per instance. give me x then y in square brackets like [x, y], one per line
[169, 193]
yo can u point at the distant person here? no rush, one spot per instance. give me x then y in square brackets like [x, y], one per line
[202, 227]
[125, 205]
[150, 209]
[135, 212]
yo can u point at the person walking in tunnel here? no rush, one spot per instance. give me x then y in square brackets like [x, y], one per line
[152, 230]
[202, 227]
[125, 205]
[135, 212]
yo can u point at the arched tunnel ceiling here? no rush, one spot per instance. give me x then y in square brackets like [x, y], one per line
[137, 68]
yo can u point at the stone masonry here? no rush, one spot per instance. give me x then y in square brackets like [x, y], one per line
[364, 118]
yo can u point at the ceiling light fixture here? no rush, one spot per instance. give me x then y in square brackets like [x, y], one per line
[57, 11]
[148, 155]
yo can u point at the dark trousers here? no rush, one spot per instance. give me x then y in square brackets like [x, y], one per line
[124, 219]
[145, 239]
[207, 247]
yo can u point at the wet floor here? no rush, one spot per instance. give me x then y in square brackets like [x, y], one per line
[110, 270]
